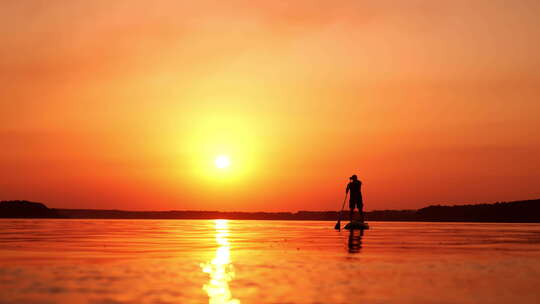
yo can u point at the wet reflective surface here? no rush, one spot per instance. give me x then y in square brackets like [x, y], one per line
[220, 268]
[198, 261]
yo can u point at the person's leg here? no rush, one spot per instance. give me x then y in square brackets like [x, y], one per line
[351, 206]
[361, 208]
[361, 211]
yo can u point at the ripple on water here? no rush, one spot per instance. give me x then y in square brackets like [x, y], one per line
[226, 261]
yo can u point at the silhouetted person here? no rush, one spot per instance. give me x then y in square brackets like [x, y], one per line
[355, 240]
[355, 196]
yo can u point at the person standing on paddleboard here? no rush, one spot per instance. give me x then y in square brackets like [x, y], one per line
[355, 197]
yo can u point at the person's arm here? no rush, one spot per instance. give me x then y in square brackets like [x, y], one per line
[347, 190]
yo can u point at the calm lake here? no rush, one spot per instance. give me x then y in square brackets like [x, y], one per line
[234, 261]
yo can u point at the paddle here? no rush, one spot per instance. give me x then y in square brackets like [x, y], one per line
[338, 224]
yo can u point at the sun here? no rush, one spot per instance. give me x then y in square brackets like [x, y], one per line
[222, 161]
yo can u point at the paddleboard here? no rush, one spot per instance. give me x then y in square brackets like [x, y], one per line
[356, 225]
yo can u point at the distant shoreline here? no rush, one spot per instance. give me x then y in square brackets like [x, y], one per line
[527, 211]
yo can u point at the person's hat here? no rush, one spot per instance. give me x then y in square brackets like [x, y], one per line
[353, 177]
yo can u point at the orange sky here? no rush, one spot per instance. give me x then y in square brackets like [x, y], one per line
[125, 104]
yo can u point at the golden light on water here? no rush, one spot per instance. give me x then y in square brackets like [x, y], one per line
[220, 269]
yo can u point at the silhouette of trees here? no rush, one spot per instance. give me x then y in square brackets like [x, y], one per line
[518, 211]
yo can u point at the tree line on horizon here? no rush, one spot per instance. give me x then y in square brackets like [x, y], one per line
[516, 211]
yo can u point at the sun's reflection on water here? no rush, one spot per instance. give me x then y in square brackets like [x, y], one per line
[220, 268]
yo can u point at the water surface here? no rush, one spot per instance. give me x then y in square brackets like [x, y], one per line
[229, 261]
